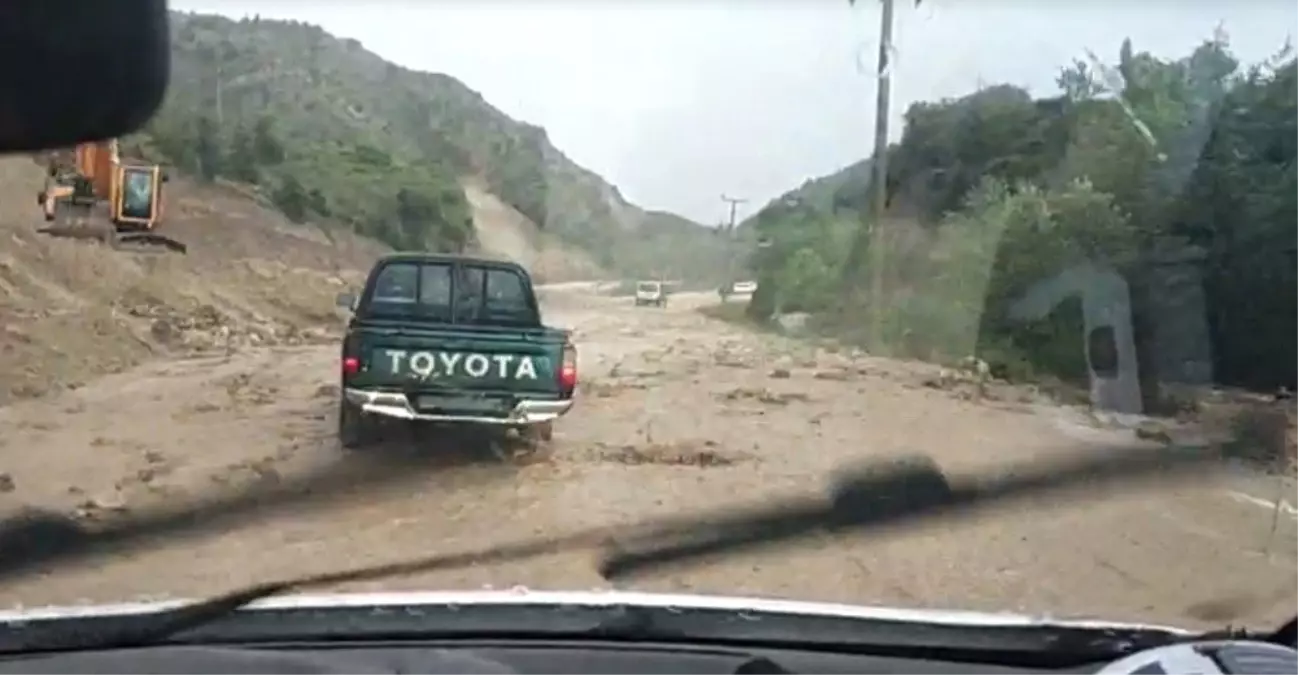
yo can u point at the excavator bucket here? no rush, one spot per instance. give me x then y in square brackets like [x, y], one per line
[67, 218]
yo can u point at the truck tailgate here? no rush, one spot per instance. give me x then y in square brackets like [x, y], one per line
[515, 361]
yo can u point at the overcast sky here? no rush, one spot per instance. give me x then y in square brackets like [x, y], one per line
[678, 101]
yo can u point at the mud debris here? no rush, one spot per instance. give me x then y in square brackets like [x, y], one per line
[101, 507]
[764, 395]
[699, 454]
[697, 439]
[608, 388]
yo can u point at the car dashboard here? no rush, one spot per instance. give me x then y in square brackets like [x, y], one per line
[551, 656]
[483, 658]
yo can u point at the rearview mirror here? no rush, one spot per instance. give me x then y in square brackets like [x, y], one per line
[79, 70]
[346, 301]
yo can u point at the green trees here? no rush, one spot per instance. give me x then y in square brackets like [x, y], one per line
[406, 205]
[992, 191]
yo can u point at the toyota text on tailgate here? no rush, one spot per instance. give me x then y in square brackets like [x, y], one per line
[451, 339]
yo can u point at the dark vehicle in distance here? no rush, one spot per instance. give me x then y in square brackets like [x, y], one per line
[451, 340]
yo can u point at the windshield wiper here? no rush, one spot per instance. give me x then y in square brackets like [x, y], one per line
[865, 498]
[889, 495]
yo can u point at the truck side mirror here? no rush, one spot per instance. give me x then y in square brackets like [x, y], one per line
[346, 300]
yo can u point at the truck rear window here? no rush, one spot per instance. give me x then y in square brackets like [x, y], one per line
[463, 294]
[493, 296]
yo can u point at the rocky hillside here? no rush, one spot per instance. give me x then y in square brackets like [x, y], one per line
[845, 189]
[328, 131]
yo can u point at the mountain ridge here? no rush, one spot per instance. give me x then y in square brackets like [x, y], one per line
[328, 130]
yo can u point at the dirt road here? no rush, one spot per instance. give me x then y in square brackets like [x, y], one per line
[678, 411]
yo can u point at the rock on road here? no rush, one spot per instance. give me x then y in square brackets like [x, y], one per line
[677, 411]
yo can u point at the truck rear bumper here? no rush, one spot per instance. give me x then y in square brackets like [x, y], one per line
[397, 406]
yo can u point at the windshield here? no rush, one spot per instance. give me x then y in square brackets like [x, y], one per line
[137, 197]
[1032, 229]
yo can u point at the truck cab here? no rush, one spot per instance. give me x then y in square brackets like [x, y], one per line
[451, 340]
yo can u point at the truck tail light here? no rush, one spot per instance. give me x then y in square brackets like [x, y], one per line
[351, 359]
[568, 369]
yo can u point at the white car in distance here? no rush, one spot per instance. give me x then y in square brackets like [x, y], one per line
[650, 293]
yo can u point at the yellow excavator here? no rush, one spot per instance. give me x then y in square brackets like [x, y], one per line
[90, 193]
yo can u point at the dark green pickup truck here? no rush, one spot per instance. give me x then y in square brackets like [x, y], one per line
[454, 340]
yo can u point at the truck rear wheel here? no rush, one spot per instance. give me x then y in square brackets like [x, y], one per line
[355, 430]
[533, 437]
[543, 431]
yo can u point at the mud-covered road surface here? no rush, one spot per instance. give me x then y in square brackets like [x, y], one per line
[677, 411]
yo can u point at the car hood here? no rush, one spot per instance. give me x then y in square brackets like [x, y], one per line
[597, 599]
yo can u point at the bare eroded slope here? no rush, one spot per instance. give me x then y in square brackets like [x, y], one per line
[505, 232]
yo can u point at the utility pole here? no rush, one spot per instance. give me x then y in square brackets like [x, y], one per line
[879, 203]
[734, 206]
[869, 239]
[734, 203]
